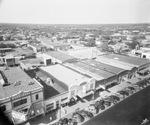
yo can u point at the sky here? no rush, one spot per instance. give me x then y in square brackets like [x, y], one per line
[74, 11]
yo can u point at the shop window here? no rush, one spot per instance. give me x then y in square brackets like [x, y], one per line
[20, 102]
[37, 96]
[3, 108]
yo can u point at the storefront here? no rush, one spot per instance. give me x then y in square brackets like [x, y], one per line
[36, 109]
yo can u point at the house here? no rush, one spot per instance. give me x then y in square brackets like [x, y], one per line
[21, 97]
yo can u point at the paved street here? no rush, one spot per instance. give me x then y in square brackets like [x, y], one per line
[130, 111]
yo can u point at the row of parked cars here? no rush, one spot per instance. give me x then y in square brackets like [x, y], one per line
[89, 112]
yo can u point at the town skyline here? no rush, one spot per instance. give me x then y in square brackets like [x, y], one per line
[74, 11]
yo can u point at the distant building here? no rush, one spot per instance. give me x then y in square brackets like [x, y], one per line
[21, 97]
[54, 57]
[38, 47]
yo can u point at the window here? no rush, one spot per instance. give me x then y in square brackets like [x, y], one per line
[3, 108]
[91, 86]
[20, 102]
[37, 96]
[72, 93]
[144, 56]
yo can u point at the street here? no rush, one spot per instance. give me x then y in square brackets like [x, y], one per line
[130, 111]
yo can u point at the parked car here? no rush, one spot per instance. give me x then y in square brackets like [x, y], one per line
[86, 114]
[119, 95]
[63, 121]
[72, 122]
[124, 93]
[132, 88]
[115, 97]
[136, 87]
[93, 108]
[140, 85]
[77, 117]
[128, 90]
[107, 102]
[100, 104]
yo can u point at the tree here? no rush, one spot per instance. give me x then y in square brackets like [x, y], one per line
[103, 46]
[133, 44]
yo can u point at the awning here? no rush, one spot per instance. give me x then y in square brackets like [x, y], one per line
[37, 109]
[65, 101]
[144, 70]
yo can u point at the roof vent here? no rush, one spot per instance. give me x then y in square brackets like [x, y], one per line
[18, 83]
[92, 64]
[30, 83]
[116, 58]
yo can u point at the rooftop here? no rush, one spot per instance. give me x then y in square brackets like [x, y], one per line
[115, 63]
[127, 59]
[61, 56]
[19, 81]
[85, 53]
[103, 66]
[94, 70]
[31, 63]
[37, 45]
[65, 75]
[54, 44]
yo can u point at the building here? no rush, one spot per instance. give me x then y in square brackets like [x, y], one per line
[29, 64]
[75, 83]
[55, 45]
[54, 57]
[21, 97]
[132, 64]
[122, 73]
[10, 60]
[84, 52]
[142, 53]
[38, 47]
[103, 78]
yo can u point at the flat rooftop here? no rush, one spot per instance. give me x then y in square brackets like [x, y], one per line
[65, 75]
[128, 59]
[53, 44]
[61, 56]
[94, 70]
[115, 63]
[103, 66]
[31, 63]
[84, 53]
[37, 45]
[19, 81]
